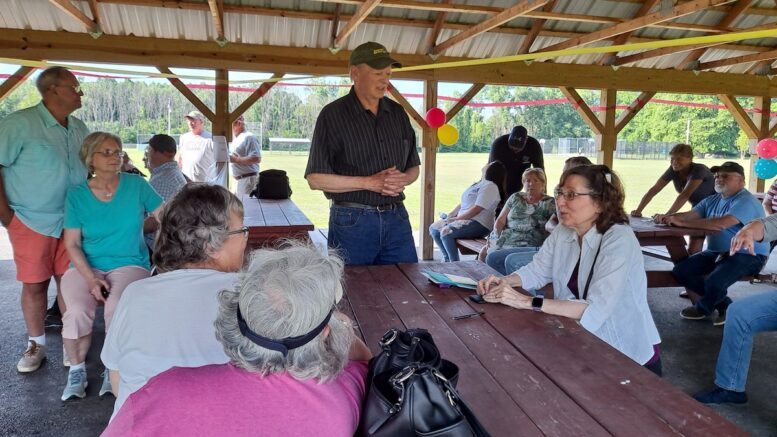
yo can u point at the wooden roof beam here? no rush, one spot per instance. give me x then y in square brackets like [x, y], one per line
[508, 14]
[190, 96]
[399, 98]
[434, 32]
[335, 25]
[765, 56]
[609, 58]
[290, 13]
[582, 108]
[361, 13]
[70, 9]
[638, 23]
[95, 11]
[672, 50]
[217, 12]
[9, 85]
[482, 9]
[633, 109]
[692, 59]
[115, 49]
[254, 97]
[466, 98]
[536, 28]
[740, 115]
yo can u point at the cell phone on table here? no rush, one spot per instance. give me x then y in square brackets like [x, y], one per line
[104, 291]
[477, 298]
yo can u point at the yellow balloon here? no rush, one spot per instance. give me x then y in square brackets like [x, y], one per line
[447, 134]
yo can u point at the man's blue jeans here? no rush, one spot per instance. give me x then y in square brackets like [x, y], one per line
[447, 243]
[370, 237]
[497, 259]
[745, 318]
[710, 276]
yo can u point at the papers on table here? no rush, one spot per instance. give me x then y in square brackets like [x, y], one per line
[447, 280]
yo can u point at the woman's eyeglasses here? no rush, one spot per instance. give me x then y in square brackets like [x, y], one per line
[243, 230]
[569, 195]
[109, 153]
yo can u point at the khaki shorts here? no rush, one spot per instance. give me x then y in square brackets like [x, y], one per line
[37, 257]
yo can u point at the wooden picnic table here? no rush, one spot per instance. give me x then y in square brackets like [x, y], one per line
[671, 237]
[269, 220]
[524, 373]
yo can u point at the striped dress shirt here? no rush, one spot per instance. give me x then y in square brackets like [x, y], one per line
[350, 140]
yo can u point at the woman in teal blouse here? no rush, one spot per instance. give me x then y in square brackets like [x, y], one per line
[103, 233]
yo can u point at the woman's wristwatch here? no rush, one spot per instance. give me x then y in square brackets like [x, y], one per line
[536, 303]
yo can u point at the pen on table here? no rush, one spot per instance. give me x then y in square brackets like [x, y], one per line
[467, 316]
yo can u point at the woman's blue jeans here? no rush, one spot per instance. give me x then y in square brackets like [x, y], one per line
[447, 243]
[745, 318]
[506, 261]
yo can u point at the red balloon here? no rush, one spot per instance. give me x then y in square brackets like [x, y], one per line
[435, 117]
[767, 148]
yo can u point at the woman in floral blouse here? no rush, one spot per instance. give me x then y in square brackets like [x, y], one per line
[520, 227]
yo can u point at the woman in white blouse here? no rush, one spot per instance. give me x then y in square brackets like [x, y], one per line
[595, 264]
[474, 216]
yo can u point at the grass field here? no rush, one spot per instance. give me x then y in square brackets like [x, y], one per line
[456, 171]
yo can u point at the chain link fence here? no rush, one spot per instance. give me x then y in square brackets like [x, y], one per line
[623, 150]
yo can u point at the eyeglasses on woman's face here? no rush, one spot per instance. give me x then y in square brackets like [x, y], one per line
[570, 195]
[243, 230]
[107, 153]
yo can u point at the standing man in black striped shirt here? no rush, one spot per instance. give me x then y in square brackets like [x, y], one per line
[362, 157]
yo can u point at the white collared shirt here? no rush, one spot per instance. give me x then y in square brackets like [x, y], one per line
[618, 311]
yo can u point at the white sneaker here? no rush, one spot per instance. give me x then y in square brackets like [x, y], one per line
[65, 357]
[76, 385]
[106, 387]
[31, 358]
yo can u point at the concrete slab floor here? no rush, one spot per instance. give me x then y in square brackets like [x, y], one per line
[30, 404]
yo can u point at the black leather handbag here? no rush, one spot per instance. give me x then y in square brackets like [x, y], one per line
[411, 391]
[272, 184]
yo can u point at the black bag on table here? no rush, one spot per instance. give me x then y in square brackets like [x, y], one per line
[411, 391]
[272, 184]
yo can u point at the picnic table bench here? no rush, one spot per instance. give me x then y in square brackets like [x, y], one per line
[521, 372]
[269, 220]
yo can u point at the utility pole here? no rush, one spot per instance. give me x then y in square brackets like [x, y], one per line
[688, 132]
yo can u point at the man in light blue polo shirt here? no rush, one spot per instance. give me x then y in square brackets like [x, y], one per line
[39, 149]
[710, 272]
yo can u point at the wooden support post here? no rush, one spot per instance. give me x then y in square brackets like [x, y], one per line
[629, 113]
[407, 106]
[756, 129]
[221, 125]
[186, 92]
[13, 81]
[428, 171]
[253, 98]
[608, 138]
[761, 119]
[466, 98]
[582, 108]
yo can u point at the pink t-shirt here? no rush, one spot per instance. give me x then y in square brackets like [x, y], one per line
[222, 399]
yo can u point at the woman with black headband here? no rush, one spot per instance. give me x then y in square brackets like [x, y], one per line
[296, 367]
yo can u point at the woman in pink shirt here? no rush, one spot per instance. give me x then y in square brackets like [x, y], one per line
[297, 368]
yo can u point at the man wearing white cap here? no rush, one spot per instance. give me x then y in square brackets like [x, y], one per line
[197, 155]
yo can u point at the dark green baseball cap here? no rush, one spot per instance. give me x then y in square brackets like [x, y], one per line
[373, 54]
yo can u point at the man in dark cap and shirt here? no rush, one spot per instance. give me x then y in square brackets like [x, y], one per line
[362, 156]
[517, 151]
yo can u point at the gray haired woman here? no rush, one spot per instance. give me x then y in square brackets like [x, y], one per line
[167, 320]
[296, 368]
